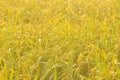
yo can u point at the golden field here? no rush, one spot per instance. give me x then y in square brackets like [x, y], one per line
[59, 40]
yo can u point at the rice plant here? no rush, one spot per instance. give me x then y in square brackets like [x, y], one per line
[59, 40]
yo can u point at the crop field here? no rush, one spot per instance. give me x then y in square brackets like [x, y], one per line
[59, 39]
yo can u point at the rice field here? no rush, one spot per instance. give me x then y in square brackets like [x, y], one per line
[59, 40]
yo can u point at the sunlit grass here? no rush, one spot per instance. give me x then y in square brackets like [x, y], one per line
[59, 40]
